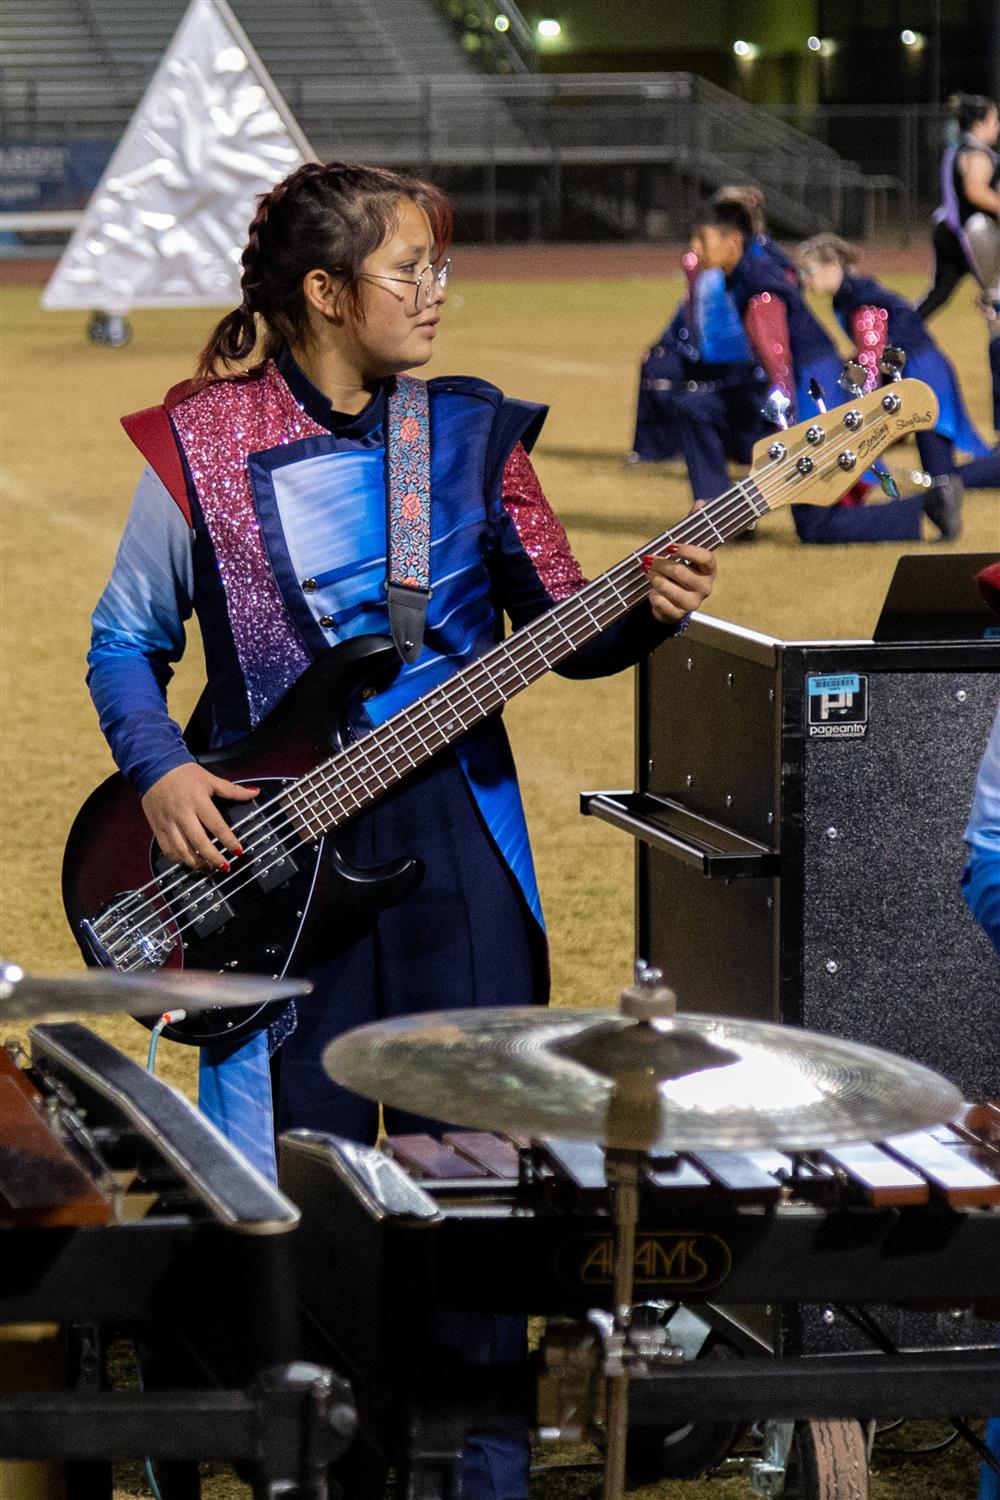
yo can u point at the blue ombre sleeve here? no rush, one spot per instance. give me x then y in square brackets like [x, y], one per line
[981, 876]
[137, 631]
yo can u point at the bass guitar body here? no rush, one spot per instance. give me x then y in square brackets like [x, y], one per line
[286, 902]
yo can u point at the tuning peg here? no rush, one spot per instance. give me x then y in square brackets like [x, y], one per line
[775, 407]
[818, 394]
[891, 362]
[852, 378]
[886, 480]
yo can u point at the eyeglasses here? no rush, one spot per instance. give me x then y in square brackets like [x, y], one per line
[427, 284]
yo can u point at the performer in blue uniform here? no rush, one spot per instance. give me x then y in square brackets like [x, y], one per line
[873, 316]
[263, 511]
[795, 349]
[702, 359]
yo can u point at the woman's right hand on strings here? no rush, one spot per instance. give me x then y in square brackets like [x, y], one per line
[185, 819]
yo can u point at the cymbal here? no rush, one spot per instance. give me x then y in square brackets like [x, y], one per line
[661, 1084]
[37, 997]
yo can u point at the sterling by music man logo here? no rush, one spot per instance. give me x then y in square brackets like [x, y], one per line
[873, 439]
[665, 1258]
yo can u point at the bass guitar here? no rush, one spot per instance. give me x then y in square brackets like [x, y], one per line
[132, 910]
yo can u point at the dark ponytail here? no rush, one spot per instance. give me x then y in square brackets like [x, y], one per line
[322, 216]
[969, 109]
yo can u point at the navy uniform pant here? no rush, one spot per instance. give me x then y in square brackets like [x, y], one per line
[464, 938]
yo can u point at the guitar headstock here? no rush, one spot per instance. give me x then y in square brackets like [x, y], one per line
[817, 461]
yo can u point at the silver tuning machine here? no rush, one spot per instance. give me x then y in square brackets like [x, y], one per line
[853, 377]
[892, 362]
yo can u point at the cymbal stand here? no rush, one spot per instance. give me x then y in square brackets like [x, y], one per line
[622, 1171]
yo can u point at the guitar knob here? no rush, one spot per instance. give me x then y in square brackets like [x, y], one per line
[891, 403]
[853, 420]
[777, 451]
[847, 459]
[805, 464]
[814, 435]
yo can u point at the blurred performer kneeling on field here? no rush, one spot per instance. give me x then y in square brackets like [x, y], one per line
[264, 512]
[873, 316]
[794, 349]
[967, 227]
[704, 359]
[981, 885]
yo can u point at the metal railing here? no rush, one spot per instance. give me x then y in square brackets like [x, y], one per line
[590, 154]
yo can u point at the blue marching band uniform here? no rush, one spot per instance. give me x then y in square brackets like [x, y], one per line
[276, 539]
[702, 362]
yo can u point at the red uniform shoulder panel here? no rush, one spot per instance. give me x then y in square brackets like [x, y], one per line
[152, 433]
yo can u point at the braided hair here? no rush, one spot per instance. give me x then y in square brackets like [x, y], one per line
[322, 215]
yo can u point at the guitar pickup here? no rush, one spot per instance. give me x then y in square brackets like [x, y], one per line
[269, 842]
[207, 913]
[195, 906]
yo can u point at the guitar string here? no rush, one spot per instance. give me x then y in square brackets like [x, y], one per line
[356, 760]
[358, 753]
[218, 888]
[723, 510]
[282, 803]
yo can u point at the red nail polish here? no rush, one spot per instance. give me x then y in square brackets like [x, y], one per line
[647, 562]
[237, 850]
[225, 867]
[670, 547]
[253, 788]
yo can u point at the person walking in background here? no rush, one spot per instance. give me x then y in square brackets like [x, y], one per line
[873, 316]
[795, 350]
[967, 227]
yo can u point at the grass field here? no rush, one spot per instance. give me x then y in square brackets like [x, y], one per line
[67, 476]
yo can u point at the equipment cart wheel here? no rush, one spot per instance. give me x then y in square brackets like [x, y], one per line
[827, 1461]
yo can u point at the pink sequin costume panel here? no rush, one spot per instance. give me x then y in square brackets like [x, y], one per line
[219, 428]
[870, 332]
[539, 529]
[766, 324]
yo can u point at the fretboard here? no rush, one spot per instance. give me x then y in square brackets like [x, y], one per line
[357, 776]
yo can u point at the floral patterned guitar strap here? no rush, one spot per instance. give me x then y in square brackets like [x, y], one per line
[408, 503]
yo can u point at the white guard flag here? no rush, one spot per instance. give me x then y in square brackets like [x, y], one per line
[167, 221]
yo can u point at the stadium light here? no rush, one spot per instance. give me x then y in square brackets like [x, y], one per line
[501, 23]
[813, 43]
[746, 51]
[914, 39]
[549, 30]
